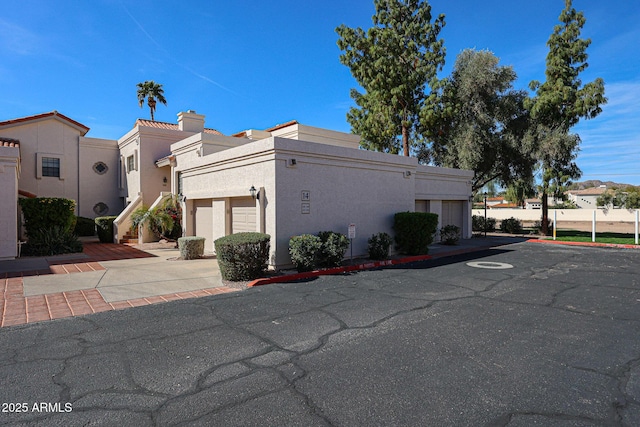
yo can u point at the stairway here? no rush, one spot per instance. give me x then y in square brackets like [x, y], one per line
[129, 237]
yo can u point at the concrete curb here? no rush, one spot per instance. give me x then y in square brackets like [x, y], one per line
[588, 244]
[359, 267]
[336, 270]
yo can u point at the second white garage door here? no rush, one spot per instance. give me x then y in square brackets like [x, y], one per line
[452, 213]
[243, 215]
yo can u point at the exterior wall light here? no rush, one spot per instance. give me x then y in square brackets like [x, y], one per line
[164, 180]
[252, 191]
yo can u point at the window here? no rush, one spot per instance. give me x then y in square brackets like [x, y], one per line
[101, 209]
[130, 163]
[51, 167]
[100, 168]
[179, 183]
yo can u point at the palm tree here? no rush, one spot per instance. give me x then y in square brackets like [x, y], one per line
[153, 92]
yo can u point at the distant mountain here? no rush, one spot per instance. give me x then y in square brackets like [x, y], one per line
[596, 183]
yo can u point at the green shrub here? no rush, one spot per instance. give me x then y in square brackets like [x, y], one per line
[334, 245]
[304, 251]
[477, 223]
[85, 227]
[191, 247]
[537, 226]
[104, 225]
[243, 256]
[450, 234]
[54, 240]
[511, 225]
[379, 246]
[45, 212]
[414, 231]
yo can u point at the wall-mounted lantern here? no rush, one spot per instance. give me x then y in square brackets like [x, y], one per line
[254, 193]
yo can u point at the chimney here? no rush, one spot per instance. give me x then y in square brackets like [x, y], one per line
[190, 121]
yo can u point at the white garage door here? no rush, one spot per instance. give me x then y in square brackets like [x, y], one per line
[203, 213]
[452, 213]
[243, 215]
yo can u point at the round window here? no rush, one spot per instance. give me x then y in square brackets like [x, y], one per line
[101, 209]
[100, 168]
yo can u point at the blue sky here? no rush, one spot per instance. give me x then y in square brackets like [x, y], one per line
[254, 64]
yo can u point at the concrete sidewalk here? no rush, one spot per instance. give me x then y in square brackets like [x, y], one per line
[134, 278]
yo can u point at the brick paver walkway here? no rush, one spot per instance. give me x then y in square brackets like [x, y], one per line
[16, 309]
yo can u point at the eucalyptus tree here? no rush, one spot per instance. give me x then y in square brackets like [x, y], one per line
[153, 93]
[561, 101]
[395, 62]
[477, 121]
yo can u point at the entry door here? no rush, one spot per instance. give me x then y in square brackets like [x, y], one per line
[203, 213]
[243, 215]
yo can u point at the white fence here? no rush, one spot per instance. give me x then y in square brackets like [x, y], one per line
[530, 215]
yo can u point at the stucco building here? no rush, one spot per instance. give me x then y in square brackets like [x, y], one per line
[286, 180]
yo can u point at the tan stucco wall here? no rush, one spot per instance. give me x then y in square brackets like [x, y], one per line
[227, 175]
[147, 145]
[53, 137]
[9, 171]
[94, 187]
[345, 185]
[306, 133]
[435, 184]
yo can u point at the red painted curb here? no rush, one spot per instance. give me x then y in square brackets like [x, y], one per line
[588, 244]
[337, 270]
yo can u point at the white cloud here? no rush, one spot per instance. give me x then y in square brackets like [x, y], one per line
[18, 40]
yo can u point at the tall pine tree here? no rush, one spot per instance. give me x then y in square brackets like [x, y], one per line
[561, 101]
[394, 62]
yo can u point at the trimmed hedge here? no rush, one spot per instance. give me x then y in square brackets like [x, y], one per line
[85, 226]
[104, 225]
[414, 231]
[49, 224]
[304, 251]
[511, 225]
[379, 246]
[243, 256]
[191, 247]
[334, 245]
[477, 223]
[42, 213]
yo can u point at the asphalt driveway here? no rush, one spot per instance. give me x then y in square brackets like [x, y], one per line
[530, 334]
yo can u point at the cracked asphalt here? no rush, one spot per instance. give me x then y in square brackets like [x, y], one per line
[553, 341]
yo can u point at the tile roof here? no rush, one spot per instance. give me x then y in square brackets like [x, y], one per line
[9, 142]
[84, 129]
[27, 194]
[283, 125]
[168, 126]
